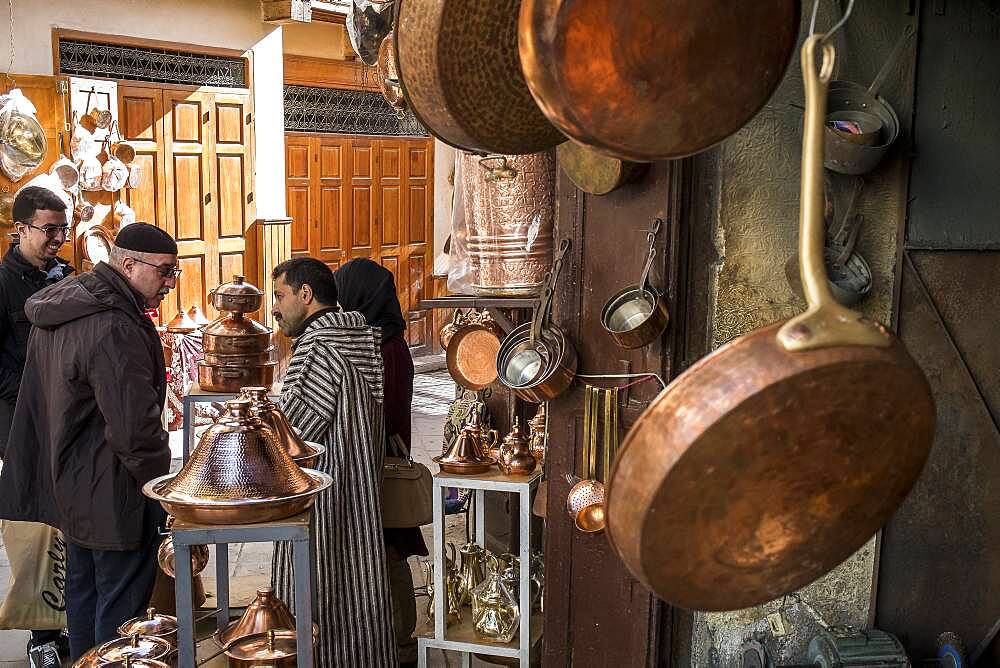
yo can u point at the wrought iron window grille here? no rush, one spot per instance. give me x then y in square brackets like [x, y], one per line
[135, 63]
[334, 110]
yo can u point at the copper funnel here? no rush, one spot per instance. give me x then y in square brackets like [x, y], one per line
[466, 455]
[238, 474]
[181, 323]
[195, 314]
[271, 415]
[265, 613]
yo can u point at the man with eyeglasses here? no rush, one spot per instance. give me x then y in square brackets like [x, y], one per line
[29, 265]
[87, 433]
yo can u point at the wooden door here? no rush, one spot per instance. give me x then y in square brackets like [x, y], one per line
[368, 197]
[140, 114]
[48, 94]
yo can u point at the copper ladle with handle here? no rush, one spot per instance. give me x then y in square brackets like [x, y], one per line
[770, 461]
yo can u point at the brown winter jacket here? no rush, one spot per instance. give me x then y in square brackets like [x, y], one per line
[87, 433]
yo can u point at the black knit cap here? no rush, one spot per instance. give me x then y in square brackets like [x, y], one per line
[145, 238]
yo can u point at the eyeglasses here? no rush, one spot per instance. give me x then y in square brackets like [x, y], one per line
[51, 231]
[166, 271]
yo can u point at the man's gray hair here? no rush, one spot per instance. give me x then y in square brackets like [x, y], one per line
[117, 255]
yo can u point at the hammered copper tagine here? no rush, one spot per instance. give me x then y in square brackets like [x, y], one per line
[238, 474]
[303, 453]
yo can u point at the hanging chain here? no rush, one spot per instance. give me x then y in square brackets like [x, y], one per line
[10, 64]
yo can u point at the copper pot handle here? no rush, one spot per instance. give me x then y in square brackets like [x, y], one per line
[651, 240]
[541, 319]
[234, 373]
[826, 323]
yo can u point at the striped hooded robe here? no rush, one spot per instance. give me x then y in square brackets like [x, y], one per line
[333, 393]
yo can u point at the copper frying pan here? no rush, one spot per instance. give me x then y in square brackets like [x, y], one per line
[651, 80]
[773, 459]
[459, 69]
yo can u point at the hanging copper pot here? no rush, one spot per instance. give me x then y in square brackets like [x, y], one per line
[593, 172]
[302, 452]
[238, 474]
[265, 613]
[460, 72]
[153, 625]
[387, 77]
[237, 296]
[472, 351]
[515, 456]
[654, 80]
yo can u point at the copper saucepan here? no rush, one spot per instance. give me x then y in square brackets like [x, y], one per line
[472, 351]
[651, 80]
[536, 360]
[773, 459]
[638, 314]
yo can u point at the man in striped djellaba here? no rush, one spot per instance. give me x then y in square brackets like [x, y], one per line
[333, 393]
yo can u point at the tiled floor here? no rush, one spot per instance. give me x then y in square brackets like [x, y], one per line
[251, 563]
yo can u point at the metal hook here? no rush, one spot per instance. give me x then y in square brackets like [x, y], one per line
[837, 26]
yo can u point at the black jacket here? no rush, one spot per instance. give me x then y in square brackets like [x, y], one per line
[87, 433]
[19, 279]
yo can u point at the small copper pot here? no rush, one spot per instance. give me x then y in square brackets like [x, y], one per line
[239, 359]
[154, 625]
[237, 296]
[230, 379]
[274, 649]
[165, 557]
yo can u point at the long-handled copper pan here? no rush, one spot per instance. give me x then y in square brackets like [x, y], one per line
[770, 461]
[650, 80]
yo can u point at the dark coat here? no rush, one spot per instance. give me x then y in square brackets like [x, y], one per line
[87, 432]
[19, 279]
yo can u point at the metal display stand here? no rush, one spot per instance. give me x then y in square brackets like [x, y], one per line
[461, 637]
[294, 529]
[195, 395]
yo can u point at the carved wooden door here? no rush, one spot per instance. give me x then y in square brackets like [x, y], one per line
[140, 114]
[368, 197]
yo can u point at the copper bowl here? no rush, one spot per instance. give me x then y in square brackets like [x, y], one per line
[230, 379]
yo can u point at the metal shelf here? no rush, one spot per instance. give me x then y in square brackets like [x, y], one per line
[461, 637]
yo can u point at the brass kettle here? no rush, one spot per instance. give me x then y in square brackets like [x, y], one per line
[515, 456]
[495, 613]
[472, 571]
[302, 453]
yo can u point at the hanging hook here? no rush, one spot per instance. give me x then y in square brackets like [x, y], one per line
[837, 26]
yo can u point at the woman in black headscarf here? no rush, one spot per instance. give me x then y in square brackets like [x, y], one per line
[368, 287]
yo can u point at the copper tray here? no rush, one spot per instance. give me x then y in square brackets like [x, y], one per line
[237, 511]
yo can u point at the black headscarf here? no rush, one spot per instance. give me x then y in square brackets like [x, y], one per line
[368, 287]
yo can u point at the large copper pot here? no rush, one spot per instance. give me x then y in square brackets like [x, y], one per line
[302, 452]
[460, 72]
[238, 474]
[773, 459]
[510, 224]
[235, 334]
[651, 80]
[229, 379]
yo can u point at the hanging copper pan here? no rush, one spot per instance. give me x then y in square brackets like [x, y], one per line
[593, 172]
[458, 65]
[770, 461]
[472, 351]
[652, 80]
[387, 78]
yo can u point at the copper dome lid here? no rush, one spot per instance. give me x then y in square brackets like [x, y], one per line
[150, 624]
[237, 296]
[134, 647]
[181, 323]
[238, 474]
[265, 613]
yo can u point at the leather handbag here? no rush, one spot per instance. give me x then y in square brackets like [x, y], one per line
[407, 490]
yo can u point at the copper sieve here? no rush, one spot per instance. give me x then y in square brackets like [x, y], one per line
[585, 503]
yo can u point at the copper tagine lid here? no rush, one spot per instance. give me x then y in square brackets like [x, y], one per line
[181, 323]
[265, 613]
[195, 314]
[151, 624]
[235, 324]
[134, 647]
[272, 416]
[466, 456]
[237, 458]
[515, 456]
[266, 647]
[237, 296]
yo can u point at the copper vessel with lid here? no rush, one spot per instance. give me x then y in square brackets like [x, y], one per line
[238, 474]
[515, 455]
[134, 647]
[196, 314]
[237, 296]
[181, 323]
[303, 453]
[152, 624]
[468, 454]
[274, 649]
[265, 613]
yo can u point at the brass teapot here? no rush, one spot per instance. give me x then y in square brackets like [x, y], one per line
[495, 613]
[515, 456]
[472, 571]
[452, 583]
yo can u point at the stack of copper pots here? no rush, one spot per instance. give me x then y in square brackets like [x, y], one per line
[237, 349]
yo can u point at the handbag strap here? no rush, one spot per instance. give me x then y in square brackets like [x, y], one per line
[396, 447]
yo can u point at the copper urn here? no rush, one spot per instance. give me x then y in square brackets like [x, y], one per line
[238, 350]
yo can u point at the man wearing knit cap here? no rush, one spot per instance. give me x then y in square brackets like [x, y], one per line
[87, 433]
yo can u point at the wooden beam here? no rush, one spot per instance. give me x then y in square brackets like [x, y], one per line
[330, 12]
[327, 73]
[281, 12]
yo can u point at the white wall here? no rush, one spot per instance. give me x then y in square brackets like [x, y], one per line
[232, 24]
